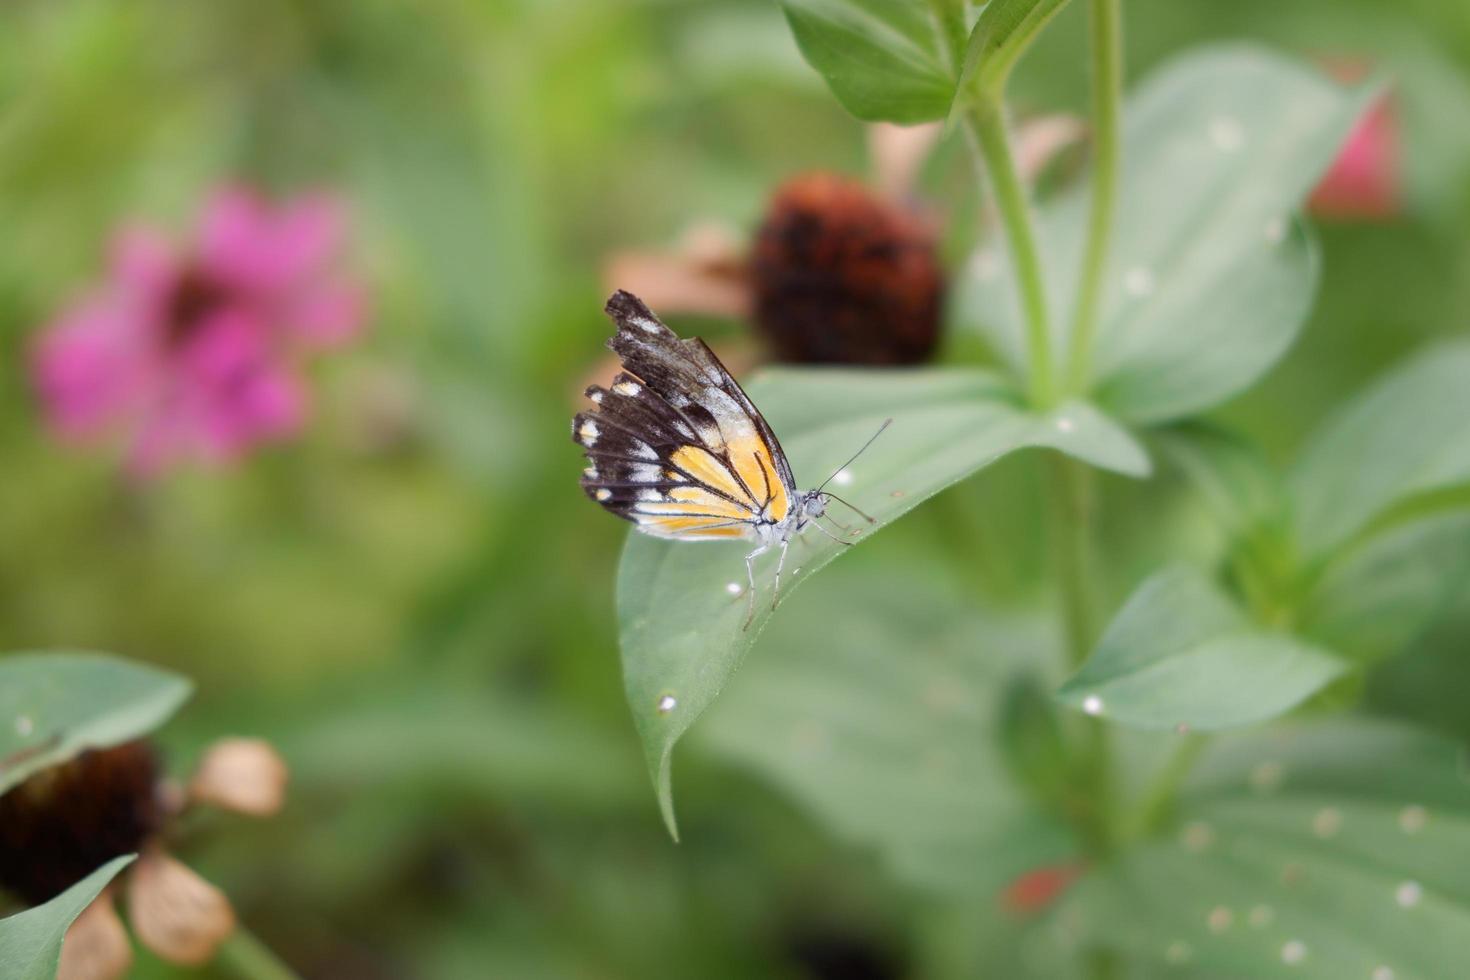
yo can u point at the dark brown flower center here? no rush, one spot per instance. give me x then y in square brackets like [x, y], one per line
[195, 296]
[62, 823]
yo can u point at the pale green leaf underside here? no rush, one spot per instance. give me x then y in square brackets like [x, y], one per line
[1321, 851]
[1180, 653]
[30, 941]
[874, 705]
[1377, 601]
[681, 632]
[1209, 276]
[1407, 435]
[53, 705]
[883, 59]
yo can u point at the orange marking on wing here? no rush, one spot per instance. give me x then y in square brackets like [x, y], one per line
[752, 459]
[707, 469]
[704, 527]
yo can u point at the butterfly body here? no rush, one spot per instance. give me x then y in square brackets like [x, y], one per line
[675, 446]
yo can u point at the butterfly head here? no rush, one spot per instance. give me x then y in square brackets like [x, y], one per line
[813, 505]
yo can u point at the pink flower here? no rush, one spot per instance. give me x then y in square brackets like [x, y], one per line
[1366, 179]
[198, 353]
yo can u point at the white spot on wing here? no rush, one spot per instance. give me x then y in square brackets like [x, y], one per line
[650, 495]
[642, 450]
[596, 397]
[645, 324]
[588, 433]
[627, 388]
[604, 494]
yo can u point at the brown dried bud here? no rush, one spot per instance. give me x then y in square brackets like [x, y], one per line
[841, 277]
[96, 946]
[63, 823]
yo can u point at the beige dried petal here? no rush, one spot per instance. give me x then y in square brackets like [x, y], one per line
[96, 946]
[241, 774]
[705, 274]
[896, 155]
[1039, 140]
[176, 913]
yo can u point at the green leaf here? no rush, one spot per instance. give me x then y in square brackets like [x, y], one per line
[1239, 487]
[1322, 851]
[1407, 436]
[1002, 33]
[682, 618]
[884, 59]
[30, 941]
[54, 705]
[1209, 278]
[1180, 652]
[876, 706]
[1379, 599]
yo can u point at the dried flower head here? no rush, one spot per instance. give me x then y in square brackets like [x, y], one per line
[842, 277]
[63, 822]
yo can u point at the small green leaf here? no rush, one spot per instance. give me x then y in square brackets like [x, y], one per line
[1239, 486]
[1407, 436]
[1326, 850]
[1210, 277]
[1180, 652]
[1379, 599]
[53, 705]
[875, 705]
[1002, 33]
[683, 606]
[884, 59]
[30, 941]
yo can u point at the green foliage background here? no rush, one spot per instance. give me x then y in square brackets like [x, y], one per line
[415, 602]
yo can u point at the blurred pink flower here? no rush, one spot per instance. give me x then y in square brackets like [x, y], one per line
[197, 353]
[1366, 180]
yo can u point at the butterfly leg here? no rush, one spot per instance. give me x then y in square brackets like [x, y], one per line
[750, 577]
[780, 564]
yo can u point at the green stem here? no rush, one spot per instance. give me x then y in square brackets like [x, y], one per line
[1107, 97]
[1072, 527]
[250, 959]
[1160, 795]
[988, 127]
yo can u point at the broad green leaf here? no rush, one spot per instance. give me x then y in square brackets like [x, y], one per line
[1323, 851]
[54, 705]
[683, 606]
[30, 941]
[1209, 277]
[1180, 652]
[894, 60]
[1378, 600]
[1407, 436]
[876, 705]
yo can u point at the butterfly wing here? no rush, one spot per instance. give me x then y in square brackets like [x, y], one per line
[675, 445]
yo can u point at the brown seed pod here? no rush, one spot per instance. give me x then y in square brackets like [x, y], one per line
[62, 823]
[842, 277]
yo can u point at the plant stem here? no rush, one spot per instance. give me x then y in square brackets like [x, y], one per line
[1107, 96]
[1165, 785]
[248, 958]
[1073, 504]
[988, 127]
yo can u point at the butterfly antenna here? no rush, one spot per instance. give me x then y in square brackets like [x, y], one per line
[875, 435]
[855, 510]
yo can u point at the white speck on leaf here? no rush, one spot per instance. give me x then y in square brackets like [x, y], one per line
[842, 478]
[1412, 819]
[1220, 919]
[1139, 281]
[667, 703]
[1293, 952]
[1178, 952]
[1408, 894]
[24, 726]
[1260, 916]
[1327, 822]
[734, 588]
[1226, 133]
[1092, 704]
[1276, 231]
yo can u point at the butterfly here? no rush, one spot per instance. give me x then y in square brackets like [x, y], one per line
[677, 447]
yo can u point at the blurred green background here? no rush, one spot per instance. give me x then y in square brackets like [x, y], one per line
[414, 601]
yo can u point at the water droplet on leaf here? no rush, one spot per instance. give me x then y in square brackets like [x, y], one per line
[667, 703]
